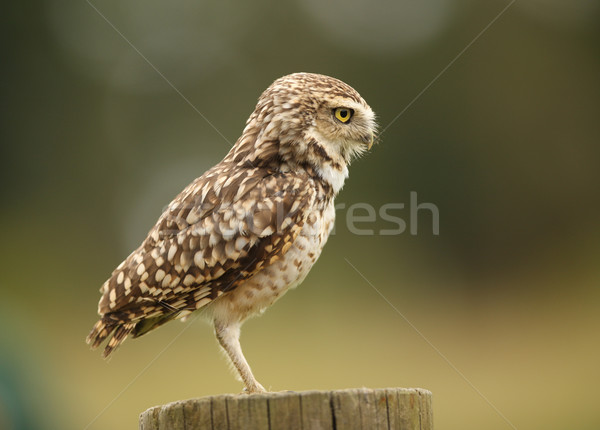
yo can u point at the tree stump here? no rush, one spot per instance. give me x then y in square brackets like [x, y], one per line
[362, 408]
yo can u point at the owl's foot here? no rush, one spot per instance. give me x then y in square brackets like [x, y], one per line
[255, 388]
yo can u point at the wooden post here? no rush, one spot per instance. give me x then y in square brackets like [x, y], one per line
[362, 408]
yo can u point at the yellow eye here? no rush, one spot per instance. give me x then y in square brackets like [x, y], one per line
[343, 114]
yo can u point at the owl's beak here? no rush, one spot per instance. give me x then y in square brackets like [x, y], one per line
[368, 140]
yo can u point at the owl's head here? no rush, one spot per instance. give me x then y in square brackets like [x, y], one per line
[307, 108]
[306, 118]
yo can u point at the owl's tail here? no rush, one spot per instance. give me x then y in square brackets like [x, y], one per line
[104, 328]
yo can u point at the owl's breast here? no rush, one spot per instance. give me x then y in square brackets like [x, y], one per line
[263, 289]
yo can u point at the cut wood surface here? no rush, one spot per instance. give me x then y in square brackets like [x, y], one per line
[359, 408]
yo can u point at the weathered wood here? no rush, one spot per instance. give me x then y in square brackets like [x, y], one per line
[353, 409]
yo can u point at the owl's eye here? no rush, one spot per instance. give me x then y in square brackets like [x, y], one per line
[343, 114]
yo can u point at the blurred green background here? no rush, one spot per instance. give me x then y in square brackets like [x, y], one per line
[505, 142]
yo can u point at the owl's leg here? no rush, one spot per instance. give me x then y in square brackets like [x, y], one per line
[229, 338]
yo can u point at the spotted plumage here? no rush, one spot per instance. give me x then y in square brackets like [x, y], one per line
[250, 228]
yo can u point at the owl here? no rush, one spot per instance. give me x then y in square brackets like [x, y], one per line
[250, 228]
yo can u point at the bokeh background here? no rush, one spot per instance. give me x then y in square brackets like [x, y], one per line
[95, 142]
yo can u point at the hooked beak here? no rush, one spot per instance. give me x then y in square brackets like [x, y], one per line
[368, 140]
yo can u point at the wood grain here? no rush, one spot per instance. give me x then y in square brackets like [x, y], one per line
[351, 409]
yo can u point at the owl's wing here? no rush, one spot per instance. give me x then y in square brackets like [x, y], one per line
[222, 229]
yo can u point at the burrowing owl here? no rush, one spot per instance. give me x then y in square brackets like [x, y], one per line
[242, 234]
